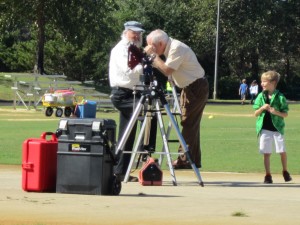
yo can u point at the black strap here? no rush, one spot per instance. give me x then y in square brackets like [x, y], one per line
[267, 99]
[109, 144]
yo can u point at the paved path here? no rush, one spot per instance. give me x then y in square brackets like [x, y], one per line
[227, 198]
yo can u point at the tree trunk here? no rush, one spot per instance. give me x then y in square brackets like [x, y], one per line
[254, 66]
[287, 69]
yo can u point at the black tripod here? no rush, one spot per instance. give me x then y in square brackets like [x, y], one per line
[154, 95]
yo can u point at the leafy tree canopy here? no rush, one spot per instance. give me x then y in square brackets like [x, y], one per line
[75, 37]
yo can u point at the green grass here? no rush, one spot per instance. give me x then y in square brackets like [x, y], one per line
[228, 140]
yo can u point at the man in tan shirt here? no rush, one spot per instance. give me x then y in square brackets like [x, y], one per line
[182, 64]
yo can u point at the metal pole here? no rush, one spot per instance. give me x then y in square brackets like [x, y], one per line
[217, 53]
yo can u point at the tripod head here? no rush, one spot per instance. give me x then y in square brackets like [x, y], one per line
[151, 91]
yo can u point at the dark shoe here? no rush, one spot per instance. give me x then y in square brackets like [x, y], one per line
[268, 179]
[133, 179]
[179, 164]
[121, 177]
[286, 176]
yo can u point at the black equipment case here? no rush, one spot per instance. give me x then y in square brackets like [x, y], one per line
[85, 157]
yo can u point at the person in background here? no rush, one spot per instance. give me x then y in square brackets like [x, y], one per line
[270, 109]
[243, 91]
[253, 91]
[181, 63]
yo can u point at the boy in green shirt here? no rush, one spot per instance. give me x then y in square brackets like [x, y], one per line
[270, 109]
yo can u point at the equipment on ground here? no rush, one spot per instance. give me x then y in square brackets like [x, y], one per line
[64, 101]
[151, 174]
[39, 163]
[85, 157]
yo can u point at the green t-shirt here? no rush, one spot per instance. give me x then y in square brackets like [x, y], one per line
[278, 101]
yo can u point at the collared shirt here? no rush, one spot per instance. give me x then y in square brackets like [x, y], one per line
[120, 75]
[278, 101]
[183, 61]
[253, 89]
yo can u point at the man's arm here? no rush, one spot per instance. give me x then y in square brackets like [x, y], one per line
[158, 62]
[162, 67]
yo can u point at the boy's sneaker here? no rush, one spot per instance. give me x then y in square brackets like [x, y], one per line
[268, 179]
[286, 176]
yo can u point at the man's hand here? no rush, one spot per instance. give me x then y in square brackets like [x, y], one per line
[149, 49]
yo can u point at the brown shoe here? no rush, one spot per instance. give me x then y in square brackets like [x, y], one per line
[179, 164]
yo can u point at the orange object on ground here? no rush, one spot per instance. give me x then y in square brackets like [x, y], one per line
[150, 174]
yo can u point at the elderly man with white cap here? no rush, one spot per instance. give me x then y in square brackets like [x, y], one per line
[122, 80]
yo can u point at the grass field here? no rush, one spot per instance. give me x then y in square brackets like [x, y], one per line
[228, 139]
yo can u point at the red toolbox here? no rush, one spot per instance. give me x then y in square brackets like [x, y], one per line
[39, 161]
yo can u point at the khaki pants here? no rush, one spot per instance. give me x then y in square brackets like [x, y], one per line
[193, 100]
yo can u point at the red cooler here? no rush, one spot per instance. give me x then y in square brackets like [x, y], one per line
[39, 161]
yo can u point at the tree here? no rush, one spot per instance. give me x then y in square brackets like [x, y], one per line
[23, 14]
[74, 37]
[80, 28]
[254, 32]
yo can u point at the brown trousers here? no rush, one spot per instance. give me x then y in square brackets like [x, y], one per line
[193, 100]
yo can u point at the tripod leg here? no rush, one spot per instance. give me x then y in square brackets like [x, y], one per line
[165, 143]
[176, 102]
[130, 125]
[176, 108]
[183, 144]
[134, 151]
[148, 117]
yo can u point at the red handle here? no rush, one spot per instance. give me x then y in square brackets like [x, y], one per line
[43, 135]
[27, 166]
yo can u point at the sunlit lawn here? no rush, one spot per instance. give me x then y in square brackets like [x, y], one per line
[228, 140]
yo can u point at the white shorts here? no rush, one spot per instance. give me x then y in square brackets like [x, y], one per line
[266, 140]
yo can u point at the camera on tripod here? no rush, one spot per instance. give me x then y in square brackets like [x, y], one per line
[136, 56]
[147, 77]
